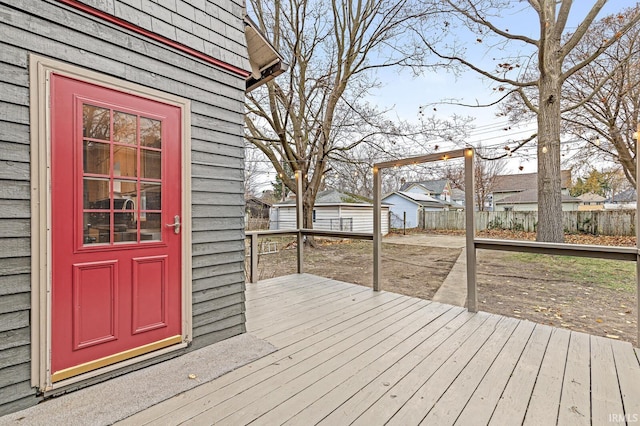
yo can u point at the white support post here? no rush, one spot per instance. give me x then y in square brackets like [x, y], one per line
[299, 220]
[470, 230]
[377, 228]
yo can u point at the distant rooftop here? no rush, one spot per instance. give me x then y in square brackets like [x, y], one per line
[525, 181]
[435, 186]
[531, 196]
[334, 196]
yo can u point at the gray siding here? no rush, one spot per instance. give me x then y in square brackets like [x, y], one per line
[51, 29]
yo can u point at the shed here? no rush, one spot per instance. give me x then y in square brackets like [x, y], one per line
[334, 211]
[121, 185]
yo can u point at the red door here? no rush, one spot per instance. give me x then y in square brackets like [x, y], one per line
[115, 209]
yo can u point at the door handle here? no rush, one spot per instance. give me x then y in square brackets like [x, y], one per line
[175, 224]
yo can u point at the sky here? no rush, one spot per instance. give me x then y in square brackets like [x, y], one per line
[406, 93]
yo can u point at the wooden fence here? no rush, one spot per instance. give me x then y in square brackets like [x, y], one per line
[599, 222]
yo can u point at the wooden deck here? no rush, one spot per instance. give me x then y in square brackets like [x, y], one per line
[348, 355]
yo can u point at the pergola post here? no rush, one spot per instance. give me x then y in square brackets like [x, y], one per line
[637, 138]
[470, 229]
[377, 227]
[299, 220]
[253, 271]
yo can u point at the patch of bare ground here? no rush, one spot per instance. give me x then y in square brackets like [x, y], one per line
[410, 270]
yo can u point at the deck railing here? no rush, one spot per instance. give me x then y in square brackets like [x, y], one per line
[300, 233]
[631, 254]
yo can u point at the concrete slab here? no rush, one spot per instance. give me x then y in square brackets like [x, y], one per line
[453, 289]
[108, 402]
[429, 240]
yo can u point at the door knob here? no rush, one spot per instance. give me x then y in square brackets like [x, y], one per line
[175, 224]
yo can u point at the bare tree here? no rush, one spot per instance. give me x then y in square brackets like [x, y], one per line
[607, 120]
[318, 110]
[543, 93]
[253, 172]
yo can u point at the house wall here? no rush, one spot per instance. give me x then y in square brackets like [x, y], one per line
[363, 218]
[399, 206]
[51, 29]
[328, 218]
[282, 217]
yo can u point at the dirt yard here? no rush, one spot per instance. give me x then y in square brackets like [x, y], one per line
[590, 295]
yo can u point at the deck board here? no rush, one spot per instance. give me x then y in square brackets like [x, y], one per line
[606, 400]
[349, 355]
[515, 398]
[460, 391]
[545, 399]
[575, 401]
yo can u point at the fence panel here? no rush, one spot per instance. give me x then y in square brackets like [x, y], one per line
[600, 222]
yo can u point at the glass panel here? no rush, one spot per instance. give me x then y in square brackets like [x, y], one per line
[151, 164]
[125, 189]
[96, 228]
[124, 128]
[124, 214]
[150, 196]
[125, 161]
[95, 157]
[150, 132]
[95, 122]
[151, 227]
[96, 194]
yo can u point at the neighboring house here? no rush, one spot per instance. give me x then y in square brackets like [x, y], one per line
[527, 201]
[622, 200]
[457, 196]
[520, 192]
[333, 210]
[121, 185]
[591, 201]
[406, 207]
[256, 208]
[440, 188]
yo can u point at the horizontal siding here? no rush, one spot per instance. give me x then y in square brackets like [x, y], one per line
[200, 24]
[52, 29]
[329, 216]
[18, 396]
[13, 284]
[225, 330]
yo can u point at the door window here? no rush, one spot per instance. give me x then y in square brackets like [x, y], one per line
[122, 177]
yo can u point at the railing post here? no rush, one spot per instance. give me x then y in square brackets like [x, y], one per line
[253, 271]
[377, 228]
[300, 220]
[637, 138]
[470, 232]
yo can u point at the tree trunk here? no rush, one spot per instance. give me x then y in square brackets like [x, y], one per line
[307, 207]
[549, 180]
